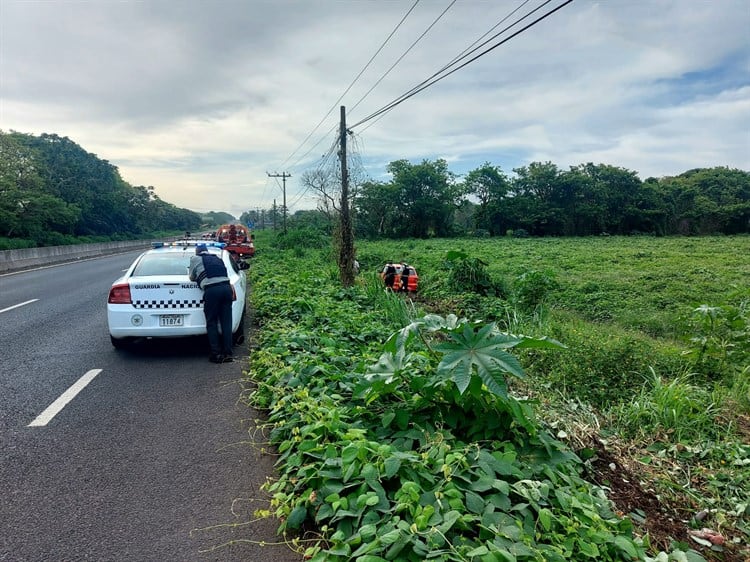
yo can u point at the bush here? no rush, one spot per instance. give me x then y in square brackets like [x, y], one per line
[302, 238]
[16, 243]
[532, 288]
[467, 274]
[721, 344]
[603, 365]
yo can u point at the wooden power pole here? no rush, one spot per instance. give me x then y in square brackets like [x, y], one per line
[346, 254]
[283, 176]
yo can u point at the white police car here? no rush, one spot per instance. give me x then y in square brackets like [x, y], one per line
[156, 298]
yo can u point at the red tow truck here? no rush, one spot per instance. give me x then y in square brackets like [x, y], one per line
[237, 239]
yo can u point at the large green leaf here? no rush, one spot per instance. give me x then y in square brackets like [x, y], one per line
[484, 351]
[296, 517]
[381, 377]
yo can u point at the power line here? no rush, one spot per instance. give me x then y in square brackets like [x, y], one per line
[469, 49]
[313, 146]
[350, 85]
[325, 161]
[283, 176]
[430, 81]
[387, 72]
[426, 82]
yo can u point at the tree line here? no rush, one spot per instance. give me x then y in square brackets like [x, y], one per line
[427, 199]
[53, 192]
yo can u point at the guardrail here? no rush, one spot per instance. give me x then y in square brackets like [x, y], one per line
[13, 260]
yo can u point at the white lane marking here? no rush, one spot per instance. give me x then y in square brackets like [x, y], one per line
[54, 408]
[18, 305]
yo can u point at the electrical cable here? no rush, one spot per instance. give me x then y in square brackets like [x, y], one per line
[469, 49]
[352, 84]
[472, 49]
[313, 146]
[387, 72]
[427, 83]
[325, 160]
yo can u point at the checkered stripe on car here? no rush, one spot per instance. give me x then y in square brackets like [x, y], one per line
[168, 303]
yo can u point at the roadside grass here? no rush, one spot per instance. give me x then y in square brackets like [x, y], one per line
[665, 393]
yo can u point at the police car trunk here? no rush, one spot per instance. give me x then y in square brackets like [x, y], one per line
[162, 299]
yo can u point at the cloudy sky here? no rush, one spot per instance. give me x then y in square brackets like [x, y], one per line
[202, 98]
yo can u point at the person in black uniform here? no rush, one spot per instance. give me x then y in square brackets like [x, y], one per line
[389, 275]
[209, 271]
[404, 277]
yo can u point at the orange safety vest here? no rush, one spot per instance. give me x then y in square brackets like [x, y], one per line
[413, 280]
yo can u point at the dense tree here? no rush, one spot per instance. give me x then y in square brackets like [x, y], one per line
[708, 200]
[314, 220]
[426, 197]
[92, 184]
[588, 199]
[536, 210]
[489, 185]
[50, 186]
[597, 198]
[376, 207]
[26, 209]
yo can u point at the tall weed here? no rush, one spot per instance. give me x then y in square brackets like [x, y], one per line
[397, 309]
[469, 275]
[603, 365]
[721, 343]
[674, 409]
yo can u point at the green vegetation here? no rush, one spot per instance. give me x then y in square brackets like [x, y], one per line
[427, 200]
[214, 219]
[480, 420]
[53, 192]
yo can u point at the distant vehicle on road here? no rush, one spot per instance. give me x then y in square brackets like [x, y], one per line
[237, 238]
[155, 298]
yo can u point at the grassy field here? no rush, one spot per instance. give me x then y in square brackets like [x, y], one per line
[651, 393]
[642, 283]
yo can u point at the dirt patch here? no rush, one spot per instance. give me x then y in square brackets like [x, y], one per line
[664, 523]
[625, 491]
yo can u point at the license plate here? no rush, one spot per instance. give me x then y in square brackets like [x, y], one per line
[170, 320]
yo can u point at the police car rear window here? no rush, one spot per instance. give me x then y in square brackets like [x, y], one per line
[176, 264]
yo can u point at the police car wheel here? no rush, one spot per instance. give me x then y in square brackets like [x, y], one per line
[239, 335]
[119, 343]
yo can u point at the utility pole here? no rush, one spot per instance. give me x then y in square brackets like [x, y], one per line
[274, 215]
[283, 176]
[346, 255]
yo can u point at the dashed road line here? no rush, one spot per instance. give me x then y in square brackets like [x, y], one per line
[53, 409]
[18, 305]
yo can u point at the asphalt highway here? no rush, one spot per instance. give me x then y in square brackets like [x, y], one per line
[105, 455]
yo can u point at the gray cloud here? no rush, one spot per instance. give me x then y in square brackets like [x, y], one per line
[197, 98]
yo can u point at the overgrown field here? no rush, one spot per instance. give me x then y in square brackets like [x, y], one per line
[538, 399]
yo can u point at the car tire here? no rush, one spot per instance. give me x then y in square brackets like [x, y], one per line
[238, 337]
[119, 343]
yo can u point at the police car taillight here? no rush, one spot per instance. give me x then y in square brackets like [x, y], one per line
[234, 294]
[120, 294]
